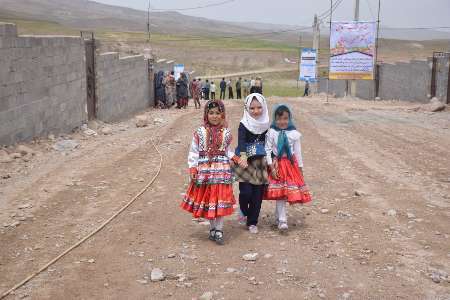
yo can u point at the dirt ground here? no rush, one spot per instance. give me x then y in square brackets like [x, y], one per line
[391, 241]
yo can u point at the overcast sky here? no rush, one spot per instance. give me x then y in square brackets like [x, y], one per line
[398, 13]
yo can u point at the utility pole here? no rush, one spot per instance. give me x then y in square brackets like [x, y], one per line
[148, 22]
[299, 57]
[356, 18]
[316, 41]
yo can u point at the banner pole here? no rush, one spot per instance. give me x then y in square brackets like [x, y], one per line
[376, 69]
[329, 53]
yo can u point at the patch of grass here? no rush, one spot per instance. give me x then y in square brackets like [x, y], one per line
[283, 90]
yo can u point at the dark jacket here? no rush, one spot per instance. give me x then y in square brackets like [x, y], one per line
[223, 85]
[160, 93]
[238, 85]
[245, 137]
[182, 88]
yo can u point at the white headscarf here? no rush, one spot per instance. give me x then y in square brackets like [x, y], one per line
[260, 125]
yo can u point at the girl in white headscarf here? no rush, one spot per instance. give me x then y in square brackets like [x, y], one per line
[251, 172]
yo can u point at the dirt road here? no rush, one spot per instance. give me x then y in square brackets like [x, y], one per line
[391, 241]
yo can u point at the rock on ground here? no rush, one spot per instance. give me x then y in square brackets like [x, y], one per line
[157, 275]
[435, 105]
[207, 296]
[250, 256]
[66, 145]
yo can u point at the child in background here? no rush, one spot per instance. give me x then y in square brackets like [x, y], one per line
[210, 193]
[252, 169]
[284, 157]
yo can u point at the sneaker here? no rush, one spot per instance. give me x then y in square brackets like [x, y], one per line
[283, 226]
[218, 237]
[212, 235]
[253, 229]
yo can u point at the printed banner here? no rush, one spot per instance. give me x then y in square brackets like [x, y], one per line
[308, 65]
[178, 69]
[352, 50]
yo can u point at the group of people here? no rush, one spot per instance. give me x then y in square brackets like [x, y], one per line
[170, 92]
[207, 89]
[267, 163]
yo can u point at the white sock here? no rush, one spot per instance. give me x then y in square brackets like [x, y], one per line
[219, 223]
[281, 211]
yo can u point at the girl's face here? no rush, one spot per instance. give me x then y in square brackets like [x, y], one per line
[255, 109]
[215, 116]
[282, 121]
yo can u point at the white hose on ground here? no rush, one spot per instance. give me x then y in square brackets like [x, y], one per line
[15, 287]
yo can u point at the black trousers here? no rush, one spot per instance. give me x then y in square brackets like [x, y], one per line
[222, 94]
[206, 94]
[306, 92]
[250, 200]
[239, 94]
[230, 93]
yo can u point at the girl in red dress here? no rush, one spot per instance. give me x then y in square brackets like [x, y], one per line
[284, 157]
[210, 193]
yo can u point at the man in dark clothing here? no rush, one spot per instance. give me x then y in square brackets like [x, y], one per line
[207, 87]
[239, 88]
[223, 87]
[306, 89]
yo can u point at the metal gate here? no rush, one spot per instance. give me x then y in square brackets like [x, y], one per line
[89, 43]
[440, 76]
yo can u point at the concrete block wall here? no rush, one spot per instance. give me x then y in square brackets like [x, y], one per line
[42, 85]
[122, 86]
[409, 81]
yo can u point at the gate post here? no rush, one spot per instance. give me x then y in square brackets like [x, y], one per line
[433, 76]
[448, 78]
[90, 47]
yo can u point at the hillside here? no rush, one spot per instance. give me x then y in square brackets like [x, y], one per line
[84, 14]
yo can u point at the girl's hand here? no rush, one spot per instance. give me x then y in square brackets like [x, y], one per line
[243, 163]
[193, 176]
[274, 172]
[275, 164]
[193, 173]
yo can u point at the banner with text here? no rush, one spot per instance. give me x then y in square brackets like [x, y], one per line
[308, 65]
[352, 50]
[178, 69]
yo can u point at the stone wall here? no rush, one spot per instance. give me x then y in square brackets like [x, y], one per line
[122, 86]
[42, 85]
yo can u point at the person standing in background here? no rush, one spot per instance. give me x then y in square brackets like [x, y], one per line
[239, 88]
[170, 87]
[230, 89]
[252, 84]
[223, 88]
[182, 90]
[213, 90]
[306, 89]
[203, 88]
[207, 88]
[246, 86]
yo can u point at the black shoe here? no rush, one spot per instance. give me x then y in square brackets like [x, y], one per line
[212, 235]
[218, 237]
